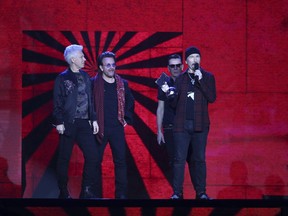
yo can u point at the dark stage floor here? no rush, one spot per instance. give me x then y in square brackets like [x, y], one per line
[91, 207]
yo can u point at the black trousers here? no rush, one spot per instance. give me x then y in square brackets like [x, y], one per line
[190, 146]
[169, 150]
[81, 133]
[169, 142]
[116, 138]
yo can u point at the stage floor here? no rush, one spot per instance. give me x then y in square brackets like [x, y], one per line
[163, 207]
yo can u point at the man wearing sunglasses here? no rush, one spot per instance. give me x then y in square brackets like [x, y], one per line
[195, 90]
[114, 105]
[165, 113]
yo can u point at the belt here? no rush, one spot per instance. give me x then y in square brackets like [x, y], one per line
[167, 126]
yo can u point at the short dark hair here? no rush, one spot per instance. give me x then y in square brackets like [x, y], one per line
[174, 56]
[105, 55]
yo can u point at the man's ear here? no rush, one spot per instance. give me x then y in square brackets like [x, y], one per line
[101, 67]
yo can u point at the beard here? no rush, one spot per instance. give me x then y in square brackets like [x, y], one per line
[109, 74]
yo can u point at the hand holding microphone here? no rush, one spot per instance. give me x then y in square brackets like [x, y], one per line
[197, 72]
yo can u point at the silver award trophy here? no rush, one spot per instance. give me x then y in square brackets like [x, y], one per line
[164, 78]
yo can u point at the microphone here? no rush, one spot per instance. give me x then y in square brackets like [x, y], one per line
[196, 67]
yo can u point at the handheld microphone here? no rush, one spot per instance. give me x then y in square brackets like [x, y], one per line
[196, 67]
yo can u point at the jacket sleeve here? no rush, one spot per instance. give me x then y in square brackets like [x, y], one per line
[58, 102]
[92, 99]
[208, 87]
[129, 104]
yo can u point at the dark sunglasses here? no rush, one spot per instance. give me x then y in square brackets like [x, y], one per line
[110, 65]
[175, 65]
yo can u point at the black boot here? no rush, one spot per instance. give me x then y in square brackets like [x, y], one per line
[87, 193]
[64, 193]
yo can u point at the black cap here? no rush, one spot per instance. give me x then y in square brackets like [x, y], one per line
[191, 50]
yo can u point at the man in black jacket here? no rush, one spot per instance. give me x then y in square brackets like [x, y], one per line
[114, 105]
[195, 89]
[75, 120]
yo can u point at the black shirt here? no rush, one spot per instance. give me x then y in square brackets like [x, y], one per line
[82, 98]
[189, 100]
[110, 105]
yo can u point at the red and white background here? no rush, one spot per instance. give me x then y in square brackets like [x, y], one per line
[243, 43]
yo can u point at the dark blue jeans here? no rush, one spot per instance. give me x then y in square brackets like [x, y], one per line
[190, 146]
[82, 133]
[116, 138]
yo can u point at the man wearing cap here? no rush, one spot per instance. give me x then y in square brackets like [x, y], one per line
[195, 89]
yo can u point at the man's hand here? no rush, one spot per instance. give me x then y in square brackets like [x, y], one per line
[165, 87]
[95, 127]
[60, 128]
[198, 73]
[160, 137]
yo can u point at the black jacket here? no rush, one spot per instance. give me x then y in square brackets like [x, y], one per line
[129, 104]
[65, 97]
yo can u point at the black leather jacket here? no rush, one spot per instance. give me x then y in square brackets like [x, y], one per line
[65, 97]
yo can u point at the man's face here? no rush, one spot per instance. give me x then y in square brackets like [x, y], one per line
[175, 67]
[108, 67]
[192, 59]
[78, 59]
